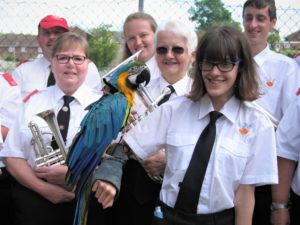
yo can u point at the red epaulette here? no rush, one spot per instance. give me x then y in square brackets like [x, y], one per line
[21, 62]
[298, 92]
[9, 79]
[296, 55]
[29, 95]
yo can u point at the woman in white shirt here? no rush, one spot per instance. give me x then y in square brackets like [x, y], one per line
[224, 81]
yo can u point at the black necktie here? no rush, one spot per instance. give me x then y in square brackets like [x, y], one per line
[63, 116]
[166, 97]
[190, 187]
[51, 79]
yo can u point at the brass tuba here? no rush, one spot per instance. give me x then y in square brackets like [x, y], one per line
[45, 154]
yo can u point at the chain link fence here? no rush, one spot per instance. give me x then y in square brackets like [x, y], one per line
[19, 20]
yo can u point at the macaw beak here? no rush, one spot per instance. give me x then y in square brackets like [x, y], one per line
[138, 75]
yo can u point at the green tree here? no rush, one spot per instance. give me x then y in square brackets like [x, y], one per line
[103, 46]
[274, 39]
[208, 13]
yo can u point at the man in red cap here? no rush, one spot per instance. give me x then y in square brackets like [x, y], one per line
[36, 75]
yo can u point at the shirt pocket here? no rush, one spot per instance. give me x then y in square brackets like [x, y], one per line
[236, 148]
[180, 150]
[232, 157]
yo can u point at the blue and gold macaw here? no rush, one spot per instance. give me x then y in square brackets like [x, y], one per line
[101, 125]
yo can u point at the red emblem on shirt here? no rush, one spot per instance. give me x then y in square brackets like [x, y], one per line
[9, 79]
[243, 131]
[270, 84]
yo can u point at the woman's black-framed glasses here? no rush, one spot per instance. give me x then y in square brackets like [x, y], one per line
[222, 66]
[176, 50]
[64, 59]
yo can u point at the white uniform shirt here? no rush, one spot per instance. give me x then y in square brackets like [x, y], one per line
[10, 103]
[297, 60]
[181, 87]
[18, 142]
[34, 75]
[245, 141]
[288, 139]
[279, 81]
[154, 70]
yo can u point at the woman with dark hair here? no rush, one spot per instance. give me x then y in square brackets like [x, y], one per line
[211, 178]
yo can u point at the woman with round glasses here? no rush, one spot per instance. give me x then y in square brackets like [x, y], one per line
[39, 193]
[235, 139]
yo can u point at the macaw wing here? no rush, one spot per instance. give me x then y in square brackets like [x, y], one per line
[99, 127]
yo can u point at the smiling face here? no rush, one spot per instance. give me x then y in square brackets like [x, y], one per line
[257, 25]
[174, 61]
[139, 35]
[46, 38]
[220, 85]
[69, 76]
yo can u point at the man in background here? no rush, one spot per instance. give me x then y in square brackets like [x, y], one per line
[36, 75]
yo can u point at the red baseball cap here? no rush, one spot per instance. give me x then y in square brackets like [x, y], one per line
[54, 21]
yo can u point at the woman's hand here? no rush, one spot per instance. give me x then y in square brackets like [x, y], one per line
[105, 193]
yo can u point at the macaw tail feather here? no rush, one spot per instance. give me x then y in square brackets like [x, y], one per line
[82, 206]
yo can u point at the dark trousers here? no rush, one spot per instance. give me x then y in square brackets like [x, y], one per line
[263, 200]
[137, 198]
[32, 209]
[5, 198]
[295, 209]
[172, 216]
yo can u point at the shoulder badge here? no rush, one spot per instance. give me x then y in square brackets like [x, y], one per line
[29, 95]
[21, 62]
[296, 55]
[9, 79]
[298, 92]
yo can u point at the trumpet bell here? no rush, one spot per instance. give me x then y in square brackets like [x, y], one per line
[45, 154]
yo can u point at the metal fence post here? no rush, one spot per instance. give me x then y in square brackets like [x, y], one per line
[141, 5]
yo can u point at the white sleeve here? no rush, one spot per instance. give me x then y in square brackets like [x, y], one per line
[149, 136]
[93, 79]
[288, 133]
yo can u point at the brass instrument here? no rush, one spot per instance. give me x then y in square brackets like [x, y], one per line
[151, 105]
[148, 101]
[45, 154]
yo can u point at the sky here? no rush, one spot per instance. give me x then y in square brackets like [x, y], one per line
[22, 16]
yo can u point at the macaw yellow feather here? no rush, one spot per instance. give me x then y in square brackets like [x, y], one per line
[129, 94]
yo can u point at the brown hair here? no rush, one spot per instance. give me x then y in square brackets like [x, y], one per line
[68, 40]
[137, 16]
[218, 45]
[261, 4]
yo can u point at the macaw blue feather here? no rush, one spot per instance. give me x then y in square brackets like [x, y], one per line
[102, 124]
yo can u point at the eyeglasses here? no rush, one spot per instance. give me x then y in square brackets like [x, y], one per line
[64, 59]
[223, 66]
[176, 50]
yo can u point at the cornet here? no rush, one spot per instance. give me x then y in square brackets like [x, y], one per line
[151, 105]
[45, 154]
